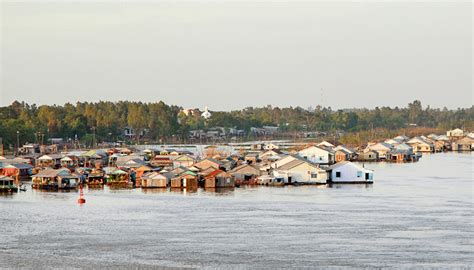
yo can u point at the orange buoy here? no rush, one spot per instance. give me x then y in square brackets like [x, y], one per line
[81, 199]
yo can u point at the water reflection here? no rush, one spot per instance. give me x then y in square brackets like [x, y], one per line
[220, 191]
[154, 190]
[184, 190]
[349, 186]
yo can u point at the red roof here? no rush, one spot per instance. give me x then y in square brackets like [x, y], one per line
[214, 173]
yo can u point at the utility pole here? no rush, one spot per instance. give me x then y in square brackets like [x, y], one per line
[17, 142]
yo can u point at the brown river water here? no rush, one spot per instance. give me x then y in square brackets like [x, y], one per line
[414, 215]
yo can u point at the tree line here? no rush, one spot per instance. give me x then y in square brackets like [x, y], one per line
[164, 123]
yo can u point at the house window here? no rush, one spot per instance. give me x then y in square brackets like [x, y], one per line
[320, 158]
[359, 174]
[314, 175]
[338, 174]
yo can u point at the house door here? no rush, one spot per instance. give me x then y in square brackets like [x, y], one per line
[366, 176]
[290, 180]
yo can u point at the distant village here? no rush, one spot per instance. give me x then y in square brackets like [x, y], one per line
[270, 163]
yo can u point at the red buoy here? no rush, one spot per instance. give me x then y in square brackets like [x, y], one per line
[81, 199]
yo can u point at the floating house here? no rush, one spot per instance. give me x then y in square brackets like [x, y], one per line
[455, 133]
[244, 173]
[325, 144]
[162, 161]
[95, 176]
[209, 162]
[7, 184]
[154, 180]
[464, 144]
[219, 179]
[270, 180]
[420, 144]
[301, 172]
[183, 160]
[317, 155]
[55, 179]
[368, 155]
[342, 155]
[381, 148]
[116, 177]
[22, 171]
[52, 160]
[402, 153]
[187, 179]
[348, 172]
[67, 162]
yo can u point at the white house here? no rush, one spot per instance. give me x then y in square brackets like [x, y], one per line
[270, 146]
[271, 155]
[282, 161]
[206, 114]
[420, 145]
[317, 155]
[393, 142]
[348, 172]
[381, 148]
[325, 144]
[303, 172]
[401, 138]
[455, 133]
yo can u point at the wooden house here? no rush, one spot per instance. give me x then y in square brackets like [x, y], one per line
[139, 172]
[402, 152]
[368, 155]
[52, 160]
[162, 161]
[342, 155]
[187, 179]
[244, 173]
[208, 162]
[219, 179]
[381, 148]
[55, 179]
[401, 138]
[154, 180]
[251, 158]
[95, 177]
[67, 162]
[7, 184]
[116, 177]
[20, 171]
[464, 144]
[92, 157]
[183, 160]
[420, 145]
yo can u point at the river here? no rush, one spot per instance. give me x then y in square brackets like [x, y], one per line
[415, 214]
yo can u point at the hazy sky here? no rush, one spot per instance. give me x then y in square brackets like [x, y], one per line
[229, 55]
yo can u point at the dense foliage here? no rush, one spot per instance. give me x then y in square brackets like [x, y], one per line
[163, 122]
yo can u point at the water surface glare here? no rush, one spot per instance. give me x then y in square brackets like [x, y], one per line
[415, 214]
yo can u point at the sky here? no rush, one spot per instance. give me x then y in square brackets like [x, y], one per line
[234, 54]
